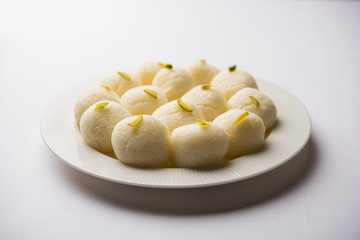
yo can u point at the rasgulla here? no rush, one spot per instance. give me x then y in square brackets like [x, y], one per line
[178, 113]
[208, 99]
[120, 82]
[252, 100]
[143, 99]
[173, 81]
[201, 71]
[142, 141]
[146, 72]
[92, 96]
[197, 145]
[232, 80]
[98, 122]
[246, 131]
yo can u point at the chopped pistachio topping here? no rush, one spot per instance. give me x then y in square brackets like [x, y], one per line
[161, 64]
[206, 87]
[168, 66]
[203, 61]
[151, 93]
[232, 68]
[183, 106]
[240, 118]
[136, 122]
[124, 75]
[254, 101]
[100, 105]
[202, 123]
[106, 87]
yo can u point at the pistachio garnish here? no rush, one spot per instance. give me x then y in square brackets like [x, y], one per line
[100, 105]
[202, 123]
[151, 93]
[136, 122]
[254, 101]
[232, 68]
[240, 118]
[106, 87]
[124, 75]
[203, 61]
[183, 106]
[206, 87]
[161, 64]
[168, 66]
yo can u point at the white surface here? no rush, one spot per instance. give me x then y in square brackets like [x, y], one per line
[312, 49]
[61, 134]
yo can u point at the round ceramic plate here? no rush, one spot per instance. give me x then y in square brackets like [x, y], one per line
[61, 134]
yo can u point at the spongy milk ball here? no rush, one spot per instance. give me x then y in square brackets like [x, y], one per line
[174, 82]
[146, 72]
[90, 97]
[232, 80]
[173, 115]
[252, 100]
[208, 99]
[201, 71]
[143, 99]
[196, 146]
[246, 131]
[146, 144]
[98, 122]
[120, 82]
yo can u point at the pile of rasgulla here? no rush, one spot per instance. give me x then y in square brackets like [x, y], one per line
[186, 117]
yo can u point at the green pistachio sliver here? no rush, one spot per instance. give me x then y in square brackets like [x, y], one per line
[168, 66]
[106, 87]
[254, 101]
[100, 105]
[206, 87]
[136, 122]
[183, 106]
[203, 61]
[202, 123]
[124, 76]
[232, 68]
[152, 93]
[161, 64]
[240, 118]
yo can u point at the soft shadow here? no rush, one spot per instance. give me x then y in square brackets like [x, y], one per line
[227, 197]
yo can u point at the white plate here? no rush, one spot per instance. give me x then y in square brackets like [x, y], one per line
[290, 135]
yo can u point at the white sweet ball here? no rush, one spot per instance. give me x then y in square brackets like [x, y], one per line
[201, 71]
[196, 146]
[98, 122]
[144, 145]
[245, 136]
[173, 116]
[90, 97]
[120, 82]
[229, 82]
[266, 109]
[143, 99]
[208, 99]
[174, 82]
[146, 72]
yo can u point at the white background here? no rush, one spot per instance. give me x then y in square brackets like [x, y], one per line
[310, 48]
